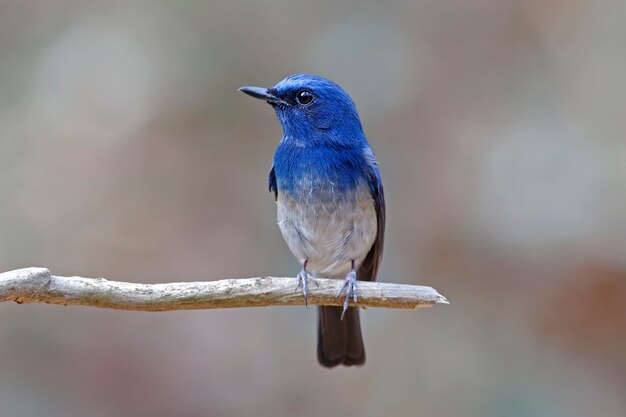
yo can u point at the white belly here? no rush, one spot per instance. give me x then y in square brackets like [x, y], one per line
[328, 230]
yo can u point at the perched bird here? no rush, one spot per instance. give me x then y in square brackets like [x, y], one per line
[330, 201]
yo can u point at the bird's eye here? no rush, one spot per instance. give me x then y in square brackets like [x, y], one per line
[304, 97]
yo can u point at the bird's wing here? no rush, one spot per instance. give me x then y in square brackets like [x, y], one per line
[272, 183]
[368, 269]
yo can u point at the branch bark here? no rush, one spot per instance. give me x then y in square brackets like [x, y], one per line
[38, 285]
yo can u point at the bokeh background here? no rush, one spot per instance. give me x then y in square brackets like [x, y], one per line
[126, 152]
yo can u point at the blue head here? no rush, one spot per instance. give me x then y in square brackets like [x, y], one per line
[313, 110]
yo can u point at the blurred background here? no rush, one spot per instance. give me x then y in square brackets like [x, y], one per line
[126, 152]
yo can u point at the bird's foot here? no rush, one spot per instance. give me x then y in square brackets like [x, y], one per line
[303, 278]
[350, 288]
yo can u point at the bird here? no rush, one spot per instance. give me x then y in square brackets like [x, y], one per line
[330, 201]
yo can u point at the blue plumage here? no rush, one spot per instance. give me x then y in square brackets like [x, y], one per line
[320, 164]
[330, 200]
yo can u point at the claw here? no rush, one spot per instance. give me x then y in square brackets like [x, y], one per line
[350, 288]
[303, 278]
[302, 283]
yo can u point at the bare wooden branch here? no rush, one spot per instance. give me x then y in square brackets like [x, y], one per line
[38, 285]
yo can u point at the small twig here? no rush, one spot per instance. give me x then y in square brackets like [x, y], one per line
[37, 285]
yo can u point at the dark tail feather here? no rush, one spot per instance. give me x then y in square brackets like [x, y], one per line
[339, 341]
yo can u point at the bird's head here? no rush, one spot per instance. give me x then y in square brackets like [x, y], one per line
[312, 108]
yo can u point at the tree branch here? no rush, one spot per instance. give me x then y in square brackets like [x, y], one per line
[37, 285]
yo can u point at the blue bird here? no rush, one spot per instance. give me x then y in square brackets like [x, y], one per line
[330, 201]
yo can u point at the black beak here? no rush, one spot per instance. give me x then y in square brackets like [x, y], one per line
[263, 94]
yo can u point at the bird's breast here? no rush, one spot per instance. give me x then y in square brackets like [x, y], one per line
[327, 225]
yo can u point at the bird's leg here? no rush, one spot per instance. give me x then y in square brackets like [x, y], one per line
[350, 288]
[302, 278]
